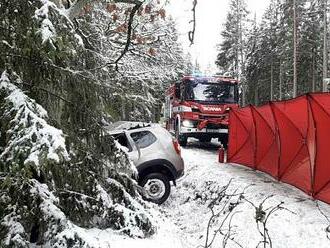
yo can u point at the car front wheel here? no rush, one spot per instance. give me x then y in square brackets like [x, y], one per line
[157, 187]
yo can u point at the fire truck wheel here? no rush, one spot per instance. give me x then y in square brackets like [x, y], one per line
[205, 139]
[224, 141]
[183, 140]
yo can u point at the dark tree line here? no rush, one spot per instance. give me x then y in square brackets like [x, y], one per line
[267, 71]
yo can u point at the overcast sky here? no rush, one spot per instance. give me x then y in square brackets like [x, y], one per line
[211, 15]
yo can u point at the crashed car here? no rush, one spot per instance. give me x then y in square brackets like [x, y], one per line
[155, 153]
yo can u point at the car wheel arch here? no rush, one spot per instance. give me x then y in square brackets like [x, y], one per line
[157, 166]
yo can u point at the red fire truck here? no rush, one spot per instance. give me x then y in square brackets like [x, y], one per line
[198, 107]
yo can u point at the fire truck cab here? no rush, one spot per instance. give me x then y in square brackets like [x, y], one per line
[199, 107]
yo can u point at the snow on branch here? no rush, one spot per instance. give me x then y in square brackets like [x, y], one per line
[29, 139]
[78, 5]
[47, 29]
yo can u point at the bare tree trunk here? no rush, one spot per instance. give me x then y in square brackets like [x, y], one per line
[237, 41]
[271, 81]
[313, 71]
[123, 110]
[294, 49]
[243, 95]
[325, 52]
[281, 80]
[242, 63]
[256, 95]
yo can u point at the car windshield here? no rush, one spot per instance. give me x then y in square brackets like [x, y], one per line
[211, 92]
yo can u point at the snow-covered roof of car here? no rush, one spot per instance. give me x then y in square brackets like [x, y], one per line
[129, 125]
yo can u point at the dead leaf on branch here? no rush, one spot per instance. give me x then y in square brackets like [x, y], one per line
[133, 36]
[140, 40]
[115, 17]
[121, 28]
[111, 7]
[152, 51]
[147, 9]
[162, 13]
[88, 8]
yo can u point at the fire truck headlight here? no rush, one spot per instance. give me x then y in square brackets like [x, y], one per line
[187, 123]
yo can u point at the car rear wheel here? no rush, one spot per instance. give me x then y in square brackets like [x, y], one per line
[157, 187]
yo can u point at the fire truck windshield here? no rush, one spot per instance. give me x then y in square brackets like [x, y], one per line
[212, 93]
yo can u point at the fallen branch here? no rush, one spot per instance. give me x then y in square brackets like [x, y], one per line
[262, 216]
[327, 229]
[225, 212]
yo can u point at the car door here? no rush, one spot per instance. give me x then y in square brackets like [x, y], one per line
[144, 140]
[135, 153]
[126, 141]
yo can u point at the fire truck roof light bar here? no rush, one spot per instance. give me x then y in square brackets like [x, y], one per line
[213, 79]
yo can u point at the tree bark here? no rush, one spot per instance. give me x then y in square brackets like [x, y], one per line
[281, 80]
[313, 71]
[271, 81]
[294, 49]
[325, 52]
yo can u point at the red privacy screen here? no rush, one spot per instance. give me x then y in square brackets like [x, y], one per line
[290, 140]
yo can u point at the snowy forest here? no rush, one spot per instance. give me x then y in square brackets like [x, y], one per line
[261, 54]
[69, 68]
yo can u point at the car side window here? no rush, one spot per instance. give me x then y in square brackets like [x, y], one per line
[122, 140]
[143, 139]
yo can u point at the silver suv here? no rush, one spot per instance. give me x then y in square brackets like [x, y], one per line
[155, 153]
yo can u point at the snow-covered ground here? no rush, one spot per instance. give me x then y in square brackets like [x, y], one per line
[300, 223]
[183, 218]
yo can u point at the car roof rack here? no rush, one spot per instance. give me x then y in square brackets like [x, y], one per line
[128, 125]
[138, 126]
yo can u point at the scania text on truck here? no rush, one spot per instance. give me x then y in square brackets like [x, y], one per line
[199, 107]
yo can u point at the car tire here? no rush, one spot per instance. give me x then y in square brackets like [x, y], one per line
[157, 187]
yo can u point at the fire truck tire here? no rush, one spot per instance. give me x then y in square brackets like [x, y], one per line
[183, 140]
[205, 139]
[224, 141]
